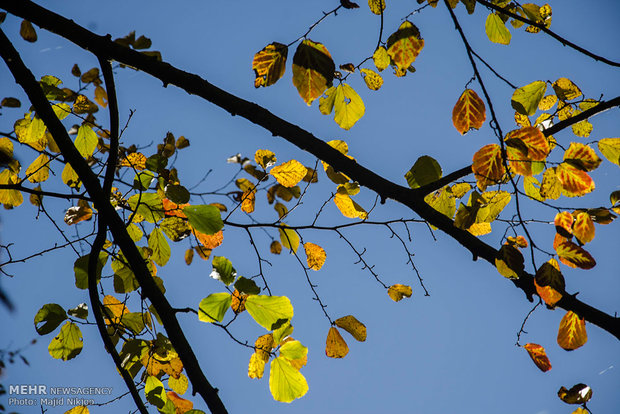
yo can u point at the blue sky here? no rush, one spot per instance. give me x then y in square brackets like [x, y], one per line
[450, 352]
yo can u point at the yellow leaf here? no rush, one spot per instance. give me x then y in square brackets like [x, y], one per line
[135, 160]
[525, 99]
[289, 238]
[376, 6]
[373, 79]
[275, 247]
[286, 383]
[469, 112]
[572, 332]
[27, 32]
[398, 291]
[566, 90]
[539, 356]
[582, 156]
[488, 166]
[496, 30]
[335, 345]
[348, 207]
[348, 106]
[565, 111]
[350, 324]
[262, 348]
[265, 158]
[583, 128]
[248, 199]
[82, 105]
[610, 148]
[480, 229]
[583, 228]
[101, 96]
[381, 58]
[574, 182]
[269, 64]
[290, 173]
[404, 45]
[30, 130]
[39, 170]
[509, 262]
[80, 409]
[178, 385]
[550, 186]
[522, 120]
[315, 256]
[10, 198]
[313, 70]
[547, 102]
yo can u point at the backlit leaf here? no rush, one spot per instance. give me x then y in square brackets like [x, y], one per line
[76, 214]
[425, 171]
[313, 70]
[181, 405]
[488, 166]
[27, 32]
[335, 345]
[348, 207]
[610, 148]
[583, 228]
[381, 58]
[205, 218]
[469, 112]
[496, 30]
[574, 256]
[582, 128]
[51, 315]
[269, 64]
[275, 247]
[582, 156]
[566, 90]
[539, 356]
[525, 100]
[262, 347]
[174, 227]
[549, 283]
[350, 324]
[80, 409]
[532, 140]
[10, 198]
[286, 383]
[531, 187]
[551, 187]
[238, 302]
[572, 332]
[135, 160]
[293, 350]
[265, 158]
[269, 311]
[398, 291]
[154, 391]
[509, 262]
[547, 102]
[443, 201]
[578, 394]
[210, 241]
[289, 238]
[494, 203]
[376, 6]
[315, 256]
[574, 182]
[147, 205]
[178, 385]
[159, 246]
[39, 170]
[214, 307]
[290, 173]
[404, 45]
[348, 107]
[372, 79]
[248, 198]
[223, 270]
[68, 343]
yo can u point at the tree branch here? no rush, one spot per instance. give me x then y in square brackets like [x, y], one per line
[19, 187]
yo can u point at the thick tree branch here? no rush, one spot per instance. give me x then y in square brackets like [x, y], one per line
[26, 80]
[549, 32]
[194, 84]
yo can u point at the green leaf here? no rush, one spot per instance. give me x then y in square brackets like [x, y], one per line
[525, 100]
[124, 279]
[246, 286]
[61, 110]
[154, 392]
[80, 268]
[86, 141]
[285, 382]
[289, 238]
[68, 343]
[496, 30]
[142, 181]
[425, 171]
[177, 194]
[156, 163]
[160, 247]
[293, 350]
[130, 355]
[150, 207]
[80, 311]
[493, 204]
[223, 270]
[282, 332]
[175, 228]
[134, 321]
[443, 201]
[52, 314]
[269, 311]
[134, 232]
[214, 307]
[206, 219]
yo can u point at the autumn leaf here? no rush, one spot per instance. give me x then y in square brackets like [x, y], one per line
[398, 291]
[265, 158]
[572, 332]
[488, 166]
[549, 283]
[313, 70]
[68, 343]
[286, 383]
[315, 256]
[381, 58]
[78, 213]
[566, 90]
[27, 32]
[469, 112]
[509, 261]
[376, 6]
[574, 182]
[372, 79]
[39, 169]
[248, 198]
[582, 156]
[181, 405]
[350, 324]
[290, 173]
[525, 100]
[496, 30]
[269, 64]
[424, 171]
[578, 394]
[289, 238]
[209, 241]
[610, 148]
[583, 228]
[348, 207]
[563, 222]
[404, 45]
[347, 105]
[335, 345]
[539, 356]
[135, 160]
[262, 348]
[574, 256]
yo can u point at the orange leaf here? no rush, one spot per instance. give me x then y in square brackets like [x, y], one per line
[582, 156]
[335, 345]
[262, 347]
[509, 261]
[269, 64]
[313, 70]
[575, 182]
[290, 173]
[469, 112]
[398, 291]
[548, 294]
[173, 209]
[136, 160]
[78, 213]
[488, 166]
[209, 241]
[404, 45]
[533, 140]
[238, 302]
[564, 224]
[519, 161]
[350, 324]
[583, 228]
[315, 256]
[248, 199]
[549, 283]
[539, 356]
[519, 241]
[572, 333]
[181, 405]
[574, 256]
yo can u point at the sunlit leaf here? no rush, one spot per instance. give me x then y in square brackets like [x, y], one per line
[582, 156]
[404, 45]
[574, 256]
[159, 246]
[398, 291]
[293, 350]
[51, 315]
[335, 345]
[549, 283]
[76, 214]
[583, 228]
[496, 29]
[376, 6]
[269, 311]
[223, 270]
[572, 332]
[147, 205]
[269, 64]
[10, 198]
[68, 343]
[181, 405]
[350, 324]
[205, 218]
[348, 106]
[488, 166]
[583, 128]
[610, 148]
[539, 356]
[348, 207]
[509, 262]
[313, 70]
[381, 58]
[525, 100]
[290, 173]
[265, 158]
[425, 171]
[574, 181]
[178, 385]
[248, 199]
[286, 383]
[315, 256]
[214, 307]
[566, 90]
[154, 391]
[135, 160]
[373, 80]
[469, 112]
[289, 238]
[551, 187]
[39, 170]
[578, 394]
[547, 102]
